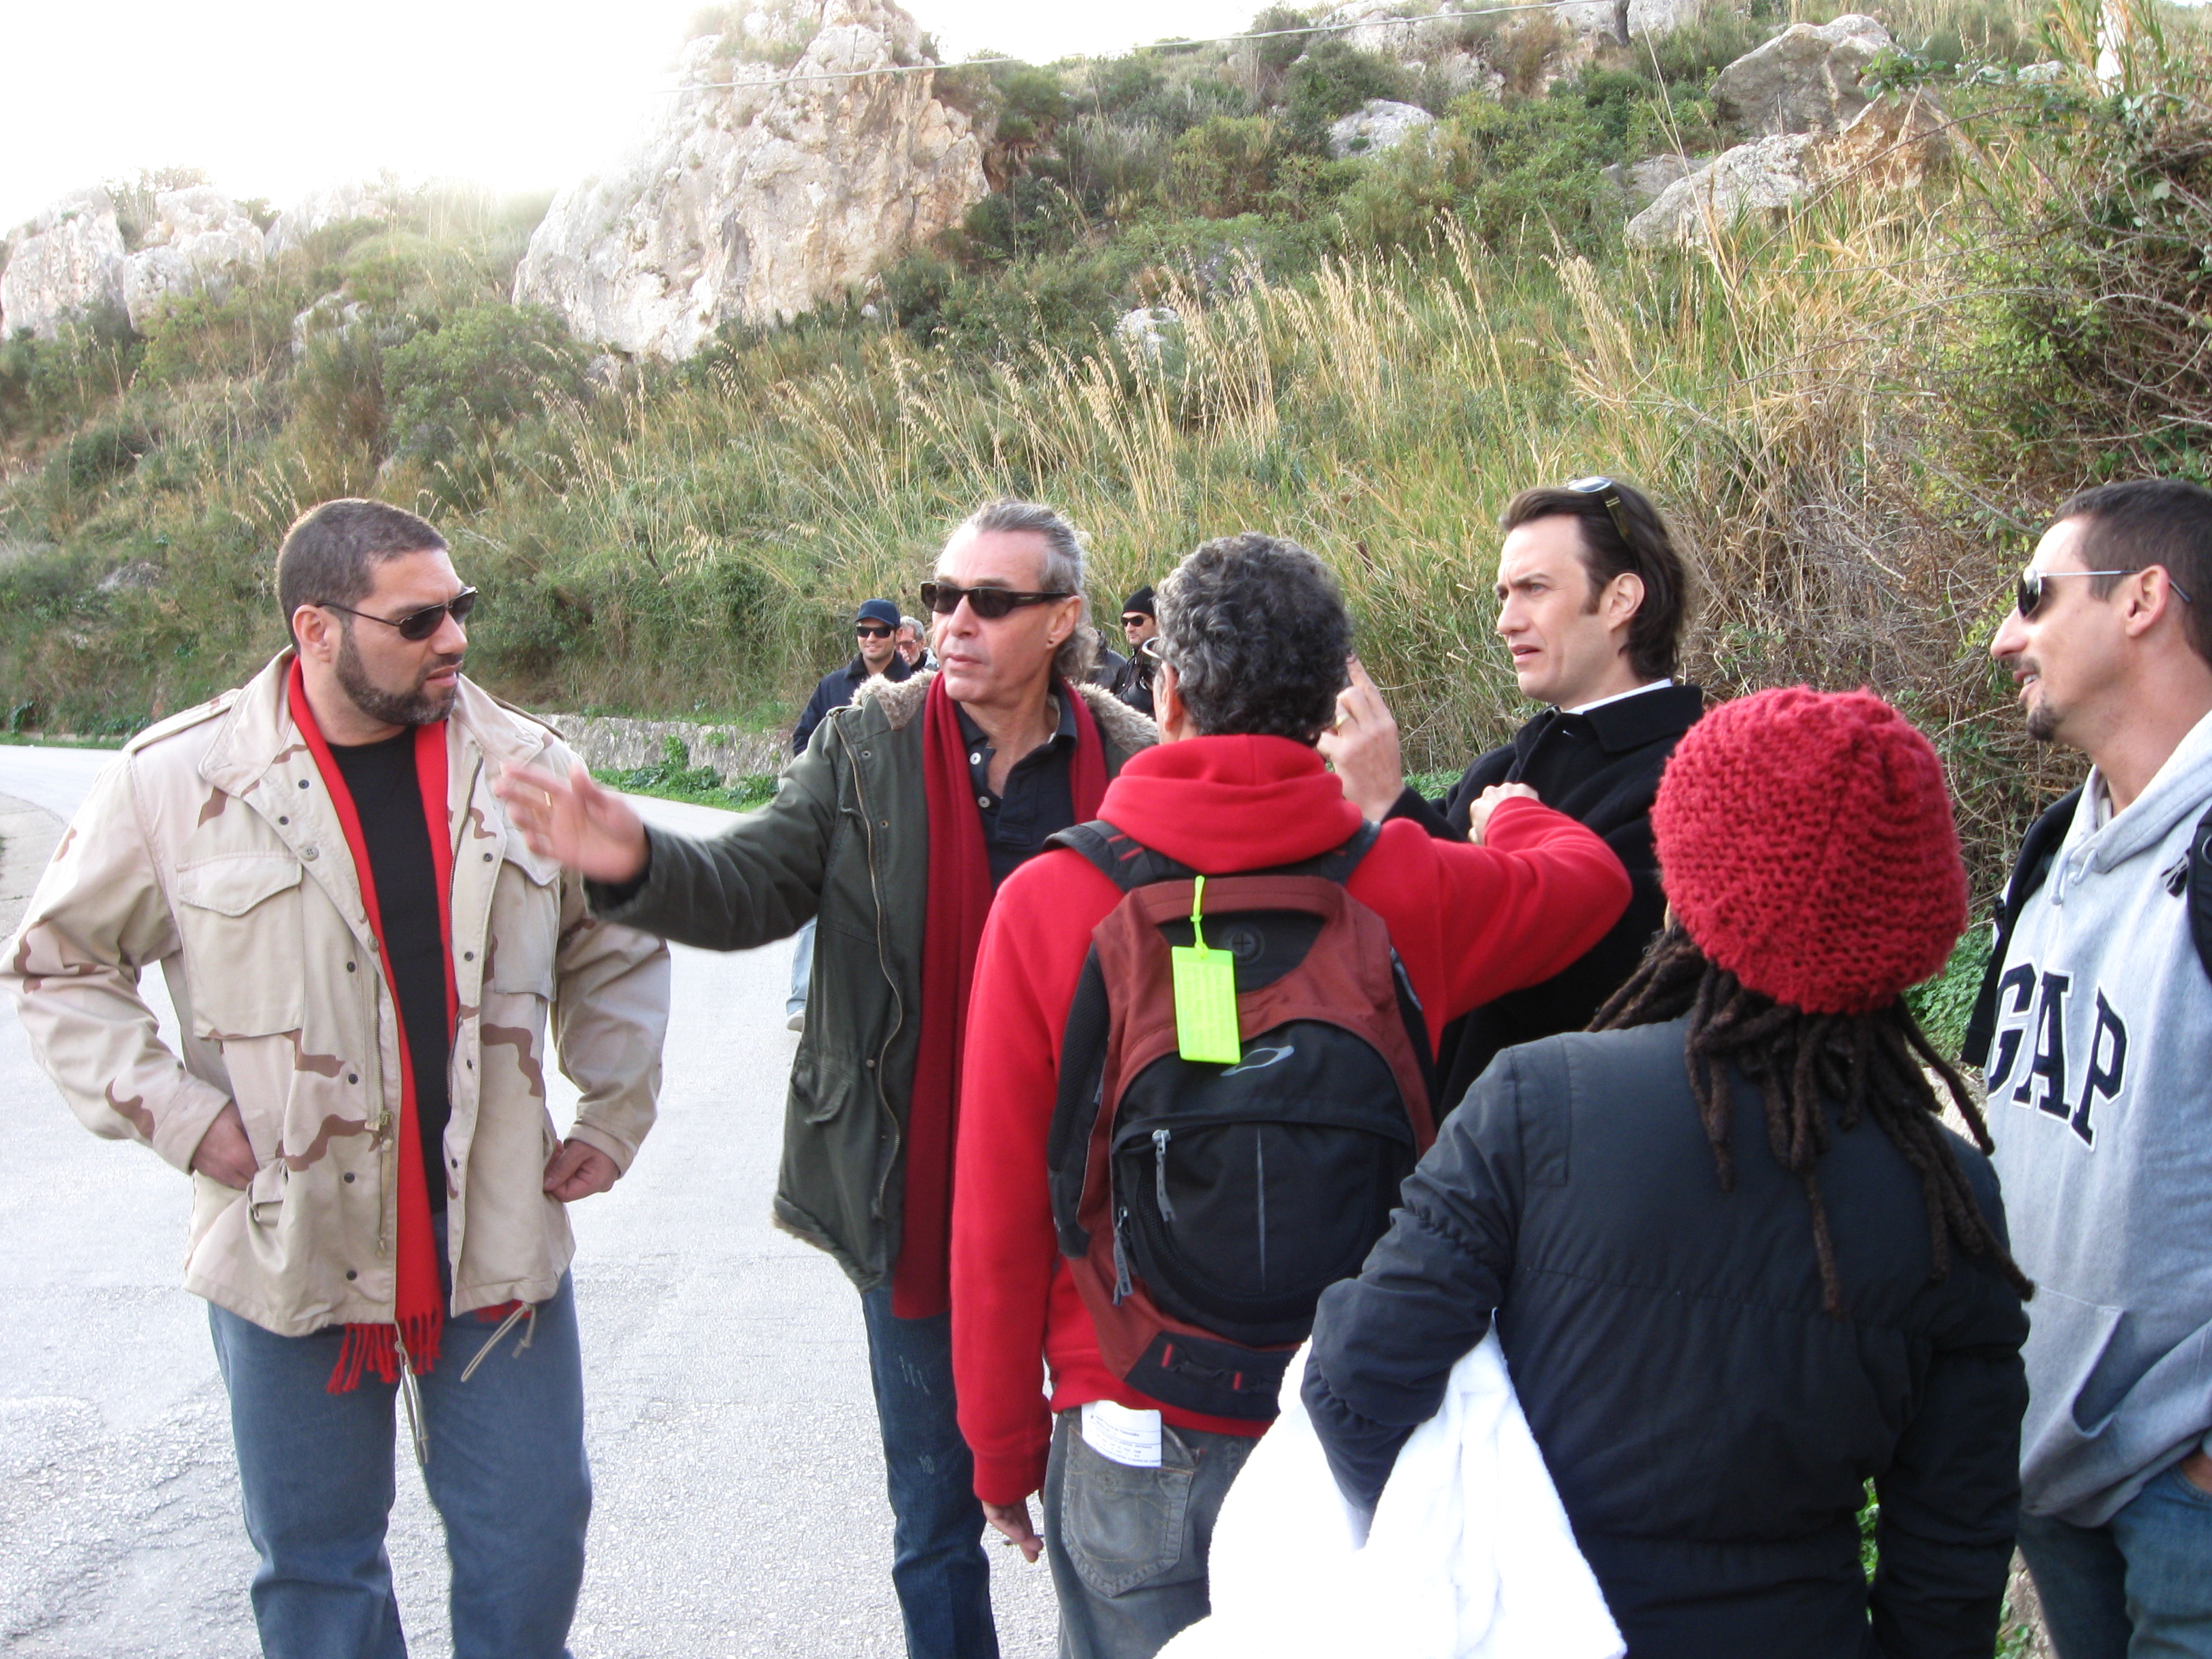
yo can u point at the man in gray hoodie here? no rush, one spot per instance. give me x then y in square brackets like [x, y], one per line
[2100, 1077]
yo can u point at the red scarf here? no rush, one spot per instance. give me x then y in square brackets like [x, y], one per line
[959, 900]
[418, 1305]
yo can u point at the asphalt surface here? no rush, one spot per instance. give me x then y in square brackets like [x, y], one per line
[739, 1505]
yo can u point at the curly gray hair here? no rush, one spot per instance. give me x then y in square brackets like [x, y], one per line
[1256, 629]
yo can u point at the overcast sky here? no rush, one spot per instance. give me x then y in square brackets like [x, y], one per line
[275, 97]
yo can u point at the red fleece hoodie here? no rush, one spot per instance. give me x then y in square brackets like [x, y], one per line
[1470, 923]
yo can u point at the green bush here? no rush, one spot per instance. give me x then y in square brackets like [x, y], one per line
[454, 391]
[1226, 166]
[1333, 80]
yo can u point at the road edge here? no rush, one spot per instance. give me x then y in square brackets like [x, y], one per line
[28, 834]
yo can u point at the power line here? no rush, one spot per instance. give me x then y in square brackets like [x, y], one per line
[1210, 41]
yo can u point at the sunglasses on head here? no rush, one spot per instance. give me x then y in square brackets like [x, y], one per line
[989, 603]
[871, 630]
[1608, 491]
[417, 625]
[2031, 594]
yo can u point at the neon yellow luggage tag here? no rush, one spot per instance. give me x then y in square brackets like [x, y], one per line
[1205, 994]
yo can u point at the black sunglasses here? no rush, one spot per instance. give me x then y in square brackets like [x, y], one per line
[2030, 597]
[1609, 491]
[417, 625]
[871, 630]
[989, 603]
[1133, 618]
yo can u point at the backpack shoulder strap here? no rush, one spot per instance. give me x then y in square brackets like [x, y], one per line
[1129, 864]
[2200, 891]
[2037, 854]
[1122, 859]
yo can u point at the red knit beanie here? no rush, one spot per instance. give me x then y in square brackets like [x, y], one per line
[1806, 842]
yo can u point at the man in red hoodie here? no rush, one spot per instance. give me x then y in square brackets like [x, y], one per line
[1252, 643]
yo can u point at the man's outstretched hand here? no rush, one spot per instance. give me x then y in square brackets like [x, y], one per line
[578, 1171]
[1363, 747]
[588, 829]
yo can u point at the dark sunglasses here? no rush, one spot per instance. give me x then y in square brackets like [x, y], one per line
[2030, 597]
[417, 625]
[1609, 489]
[871, 630]
[1133, 618]
[989, 603]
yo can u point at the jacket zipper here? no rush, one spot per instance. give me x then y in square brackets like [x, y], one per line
[883, 964]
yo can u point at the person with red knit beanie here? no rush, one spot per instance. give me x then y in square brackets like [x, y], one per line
[1737, 1264]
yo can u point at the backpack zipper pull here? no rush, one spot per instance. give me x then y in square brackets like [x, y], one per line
[1122, 1286]
[1160, 1173]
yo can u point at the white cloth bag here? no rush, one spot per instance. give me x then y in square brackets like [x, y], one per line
[1469, 1557]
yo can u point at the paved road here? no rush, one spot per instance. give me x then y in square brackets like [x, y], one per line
[740, 1507]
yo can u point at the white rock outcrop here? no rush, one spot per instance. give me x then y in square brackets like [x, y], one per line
[1146, 331]
[1644, 17]
[764, 190]
[1766, 175]
[200, 240]
[1376, 126]
[63, 264]
[1806, 79]
[333, 204]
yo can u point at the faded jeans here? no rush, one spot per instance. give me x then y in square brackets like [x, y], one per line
[1128, 1546]
[2139, 1587]
[938, 1565]
[507, 1474]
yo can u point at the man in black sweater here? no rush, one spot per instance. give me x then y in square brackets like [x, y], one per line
[1591, 599]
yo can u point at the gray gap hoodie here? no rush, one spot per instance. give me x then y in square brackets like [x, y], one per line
[2100, 1102]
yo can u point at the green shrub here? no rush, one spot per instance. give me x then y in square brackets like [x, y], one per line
[1226, 166]
[1333, 80]
[454, 391]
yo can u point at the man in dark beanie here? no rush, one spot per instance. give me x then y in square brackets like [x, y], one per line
[1737, 1265]
[1140, 623]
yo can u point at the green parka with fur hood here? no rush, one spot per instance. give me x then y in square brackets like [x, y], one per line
[846, 841]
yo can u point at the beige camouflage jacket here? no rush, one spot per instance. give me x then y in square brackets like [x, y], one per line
[212, 848]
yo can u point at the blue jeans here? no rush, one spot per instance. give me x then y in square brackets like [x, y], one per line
[2139, 1587]
[507, 1474]
[937, 1564]
[802, 969]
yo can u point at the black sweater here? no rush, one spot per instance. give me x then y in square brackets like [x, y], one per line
[1601, 769]
[1708, 1426]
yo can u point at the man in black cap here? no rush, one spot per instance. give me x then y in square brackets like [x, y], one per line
[1134, 683]
[875, 626]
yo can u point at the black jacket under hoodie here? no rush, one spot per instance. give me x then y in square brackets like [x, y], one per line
[1600, 769]
[1708, 1426]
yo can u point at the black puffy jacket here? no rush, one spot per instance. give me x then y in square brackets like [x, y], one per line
[1708, 1426]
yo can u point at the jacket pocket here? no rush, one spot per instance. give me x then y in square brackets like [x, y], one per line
[264, 1193]
[525, 928]
[241, 921]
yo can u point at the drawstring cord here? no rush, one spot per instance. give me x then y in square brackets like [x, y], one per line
[498, 1335]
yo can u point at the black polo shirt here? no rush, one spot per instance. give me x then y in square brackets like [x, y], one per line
[1039, 800]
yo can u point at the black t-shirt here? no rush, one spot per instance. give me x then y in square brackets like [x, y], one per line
[1039, 798]
[388, 796]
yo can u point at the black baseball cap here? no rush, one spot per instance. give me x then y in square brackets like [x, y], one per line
[880, 610]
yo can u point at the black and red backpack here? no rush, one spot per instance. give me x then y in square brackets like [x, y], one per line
[1203, 1208]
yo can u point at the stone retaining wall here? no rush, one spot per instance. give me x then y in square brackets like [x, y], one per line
[608, 742]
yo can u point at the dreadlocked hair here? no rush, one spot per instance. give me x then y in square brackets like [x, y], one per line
[1870, 1064]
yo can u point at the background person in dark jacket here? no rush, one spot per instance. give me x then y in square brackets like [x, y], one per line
[875, 630]
[1591, 599]
[875, 626]
[1733, 1290]
[1140, 623]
